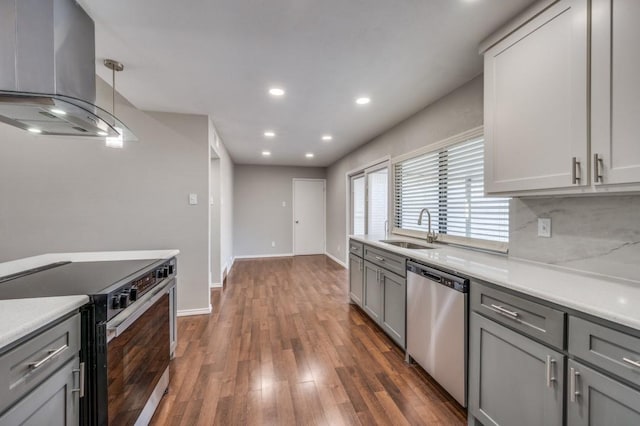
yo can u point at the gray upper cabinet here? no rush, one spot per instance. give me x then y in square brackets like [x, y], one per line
[535, 108]
[394, 309]
[595, 399]
[372, 303]
[356, 279]
[513, 380]
[615, 96]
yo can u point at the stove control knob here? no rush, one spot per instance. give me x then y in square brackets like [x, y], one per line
[165, 271]
[115, 302]
[133, 294]
[170, 269]
[124, 300]
[159, 273]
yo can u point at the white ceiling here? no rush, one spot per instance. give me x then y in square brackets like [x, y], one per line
[220, 57]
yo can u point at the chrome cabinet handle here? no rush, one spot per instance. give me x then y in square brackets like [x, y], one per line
[503, 311]
[381, 259]
[575, 174]
[573, 393]
[632, 362]
[52, 354]
[550, 377]
[80, 388]
[361, 263]
[598, 165]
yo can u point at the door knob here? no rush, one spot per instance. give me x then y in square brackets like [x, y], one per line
[297, 221]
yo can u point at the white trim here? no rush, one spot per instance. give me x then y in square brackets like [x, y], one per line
[190, 312]
[335, 259]
[215, 285]
[368, 165]
[258, 256]
[293, 212]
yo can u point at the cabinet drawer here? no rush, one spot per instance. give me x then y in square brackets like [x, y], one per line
[612, 350]
[392, 262]
[27, 365]
[536, 320]
[355, 248]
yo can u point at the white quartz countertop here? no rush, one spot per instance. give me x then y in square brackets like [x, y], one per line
[19, 317]
[608, 298]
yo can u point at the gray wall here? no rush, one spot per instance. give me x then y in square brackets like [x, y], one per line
[259, 215]
[459, 111]
[595, 234]
[69, 194]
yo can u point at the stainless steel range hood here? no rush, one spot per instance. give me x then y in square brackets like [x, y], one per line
[47, 70]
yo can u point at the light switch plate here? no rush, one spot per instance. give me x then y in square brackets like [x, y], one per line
[544, 227]
[284, 204]
[193, 199]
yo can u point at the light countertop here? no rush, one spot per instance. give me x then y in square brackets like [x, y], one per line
[608, 298]
[19, 317]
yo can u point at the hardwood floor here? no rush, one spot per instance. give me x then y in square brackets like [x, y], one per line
[284, 347]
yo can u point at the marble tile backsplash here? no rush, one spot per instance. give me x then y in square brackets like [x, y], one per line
[598, 234]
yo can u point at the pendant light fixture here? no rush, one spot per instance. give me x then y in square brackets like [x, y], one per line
[114, 66]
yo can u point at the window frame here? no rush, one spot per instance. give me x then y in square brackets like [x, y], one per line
[496, 246]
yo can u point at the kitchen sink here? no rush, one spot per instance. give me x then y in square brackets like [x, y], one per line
[407, 244]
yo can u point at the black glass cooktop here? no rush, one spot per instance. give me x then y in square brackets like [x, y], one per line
[70, 278]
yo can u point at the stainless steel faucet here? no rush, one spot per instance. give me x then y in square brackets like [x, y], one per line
[431, 236]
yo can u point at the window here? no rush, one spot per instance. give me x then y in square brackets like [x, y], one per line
[370, 200]
[450, 183]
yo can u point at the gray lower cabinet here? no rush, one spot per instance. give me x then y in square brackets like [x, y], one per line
[356, 279]
[595, 399]
[53, 403]
[394, 306]
[372, 302]
[513, 380]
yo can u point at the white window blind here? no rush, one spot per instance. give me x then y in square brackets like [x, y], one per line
[358, 204]
[377, 187]
[450, 183]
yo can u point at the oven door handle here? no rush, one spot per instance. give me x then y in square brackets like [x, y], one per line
[118, 325]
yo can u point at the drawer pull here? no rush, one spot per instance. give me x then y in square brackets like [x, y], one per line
[573, 393]
[353, 248]
[52, 354]
[503, 311]
[80, 388]
[632, 362]
[381, 259]
[550, 377]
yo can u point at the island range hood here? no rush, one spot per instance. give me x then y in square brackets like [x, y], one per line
[47, 71]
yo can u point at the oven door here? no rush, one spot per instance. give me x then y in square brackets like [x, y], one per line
[138, 358]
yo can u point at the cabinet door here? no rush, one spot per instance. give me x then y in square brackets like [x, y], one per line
[536, 103]
[615, 101]
[512, 379]
[595, 399]
[52, 403]
[356, 283]
[372, 303]
[394, 306]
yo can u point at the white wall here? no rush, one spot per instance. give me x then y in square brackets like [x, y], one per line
[458, 111]
[62, 194]
[260, 217]
[214, 195]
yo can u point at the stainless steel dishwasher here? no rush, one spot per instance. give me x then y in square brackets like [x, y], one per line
[437, 326]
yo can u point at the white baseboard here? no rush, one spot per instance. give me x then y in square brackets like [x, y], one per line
[338, 261]
[258, 256]
[215, 285]
[189, 312]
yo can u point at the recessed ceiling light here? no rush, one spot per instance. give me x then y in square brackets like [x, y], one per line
[269, 134]
[363, 100]
[58, 111]
[327, 137]
[103, 134]
[266, 153]
[34, 130]
[276, 91]
[309, 155]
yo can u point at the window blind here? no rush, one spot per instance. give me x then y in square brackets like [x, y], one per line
[450, 183]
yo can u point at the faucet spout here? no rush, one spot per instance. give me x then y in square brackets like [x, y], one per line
[431, 236]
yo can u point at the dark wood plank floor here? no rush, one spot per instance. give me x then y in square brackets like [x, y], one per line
[284, 347]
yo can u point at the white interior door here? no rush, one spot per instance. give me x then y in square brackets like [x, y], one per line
[308, 216]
